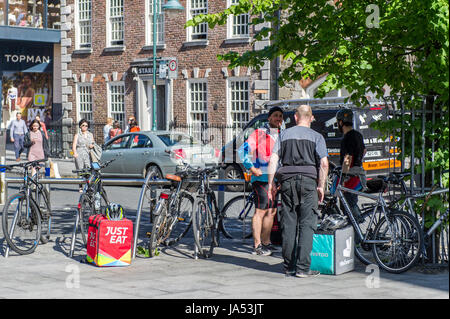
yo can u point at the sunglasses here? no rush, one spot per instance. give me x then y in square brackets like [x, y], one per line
[85, 125]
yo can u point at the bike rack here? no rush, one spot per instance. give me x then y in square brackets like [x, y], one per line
[118, 182]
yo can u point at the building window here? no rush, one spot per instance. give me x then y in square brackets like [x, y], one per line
[238, 25]
[159, 23]
[115, 23]
[84, 31]
[116, 101]
[198, 107]
[239, 104]
[84, 100]
[199, 32]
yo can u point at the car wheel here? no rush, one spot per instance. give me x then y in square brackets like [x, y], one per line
[234, 172]
[153, 169]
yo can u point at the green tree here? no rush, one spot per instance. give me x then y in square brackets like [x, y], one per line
[362, 45]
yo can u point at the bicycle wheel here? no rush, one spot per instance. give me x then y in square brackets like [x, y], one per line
[21, 227]
[404, 243]
[203, 227]
[43, 203]
[159, 228]
[363, 251]
[184, 207]
[85, 210]
[237, 218]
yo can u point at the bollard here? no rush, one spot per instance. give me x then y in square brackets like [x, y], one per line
[47, 168]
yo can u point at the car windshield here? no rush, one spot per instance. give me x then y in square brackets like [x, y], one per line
[178, 139]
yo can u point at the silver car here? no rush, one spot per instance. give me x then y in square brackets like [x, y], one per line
[138, 153]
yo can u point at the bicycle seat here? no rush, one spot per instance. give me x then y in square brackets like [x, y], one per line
[172, 177]
[394, 177]
[401, 175]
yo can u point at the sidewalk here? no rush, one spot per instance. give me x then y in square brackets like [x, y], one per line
[65, 166]
[232, 273]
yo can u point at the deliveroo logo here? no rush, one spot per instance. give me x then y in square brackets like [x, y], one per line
[348, 248]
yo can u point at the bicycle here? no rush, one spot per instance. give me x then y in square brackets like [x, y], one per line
[394, 238]
[26, 217]
[90, 202]
[237, 214]
[206, 215]
[406, 202]
[172, 214]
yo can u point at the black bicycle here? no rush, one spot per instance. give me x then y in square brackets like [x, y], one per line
[93, 199]
[206, 215]
[26, 218]
[390, 238]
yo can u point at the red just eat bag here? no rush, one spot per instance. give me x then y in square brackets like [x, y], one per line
[109, 242]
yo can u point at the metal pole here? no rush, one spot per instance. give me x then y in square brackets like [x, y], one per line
[154, 65]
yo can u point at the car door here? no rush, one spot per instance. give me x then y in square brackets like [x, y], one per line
[115, 149]
[137, 154]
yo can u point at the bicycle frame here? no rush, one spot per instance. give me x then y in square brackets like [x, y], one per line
[249, 200]
[380, 203]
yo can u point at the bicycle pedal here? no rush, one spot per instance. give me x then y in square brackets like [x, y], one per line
[148, 234]
[180, 219]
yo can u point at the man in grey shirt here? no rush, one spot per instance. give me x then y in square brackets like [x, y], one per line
[303, 158]
[17, 131]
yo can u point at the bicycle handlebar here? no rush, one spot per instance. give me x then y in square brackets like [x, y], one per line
[23, 165]
[86, 171]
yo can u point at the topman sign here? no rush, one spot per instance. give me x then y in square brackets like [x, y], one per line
[36, 59]
[26, 58]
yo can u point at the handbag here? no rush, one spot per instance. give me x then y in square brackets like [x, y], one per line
[96, 153]
[27, 143]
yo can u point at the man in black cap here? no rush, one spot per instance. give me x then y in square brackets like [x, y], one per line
[255, 154]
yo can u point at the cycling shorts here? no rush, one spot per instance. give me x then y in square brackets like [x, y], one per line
[262, 201]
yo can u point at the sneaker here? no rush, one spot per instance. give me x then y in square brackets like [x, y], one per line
[271, 247]
[289, 273]
[307, 274]
[261, 251]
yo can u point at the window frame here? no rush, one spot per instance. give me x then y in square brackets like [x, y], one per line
[79, 101]
[110, 101]
[231, 24]
[229, 115]
[109, 31]
[189, 16]
[160, 38]
[192, 124]
[78, 21]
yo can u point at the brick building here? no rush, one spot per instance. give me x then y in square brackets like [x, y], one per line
[107, 51]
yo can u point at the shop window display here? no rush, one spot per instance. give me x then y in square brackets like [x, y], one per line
[31, 13]
[2, 12]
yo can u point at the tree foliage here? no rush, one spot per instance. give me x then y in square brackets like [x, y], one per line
[362, 45]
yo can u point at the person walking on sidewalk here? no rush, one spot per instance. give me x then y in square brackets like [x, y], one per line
[82, 143]
[255, 154]
[106, 129]
[302, 155]
[36, 142]
[18, 129]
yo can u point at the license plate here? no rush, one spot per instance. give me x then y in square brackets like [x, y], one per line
[204, 156]
[373, 154]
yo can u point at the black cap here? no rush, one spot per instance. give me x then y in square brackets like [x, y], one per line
[275, 109]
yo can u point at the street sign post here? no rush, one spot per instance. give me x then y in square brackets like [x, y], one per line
[166, 68]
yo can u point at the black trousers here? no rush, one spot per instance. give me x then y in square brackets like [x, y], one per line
[298, 221]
